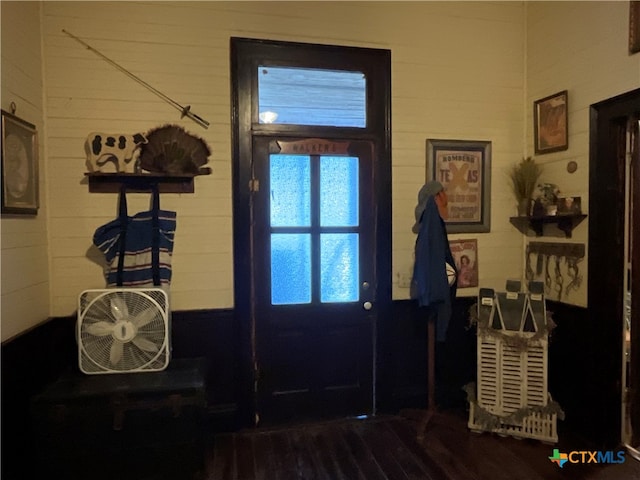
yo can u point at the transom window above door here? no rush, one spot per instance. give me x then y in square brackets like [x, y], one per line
[310, 96]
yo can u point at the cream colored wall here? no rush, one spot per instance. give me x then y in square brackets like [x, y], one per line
[457, 73]
[24, 260]
[581, 47]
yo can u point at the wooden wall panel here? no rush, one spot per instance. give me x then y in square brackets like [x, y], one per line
[24, 242]
[460, 70]
[581, 48]
[441, 89]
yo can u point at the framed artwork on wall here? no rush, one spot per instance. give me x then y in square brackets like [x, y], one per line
[19, 166]
[464, 169]
[634, 26]
[550, 123]
[465, 253]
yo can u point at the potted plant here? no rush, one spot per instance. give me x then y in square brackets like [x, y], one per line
[524, 178]
[547, 201]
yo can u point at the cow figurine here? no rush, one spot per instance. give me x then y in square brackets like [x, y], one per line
[120, 148]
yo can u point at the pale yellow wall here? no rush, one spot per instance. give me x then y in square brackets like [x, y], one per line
[457, 72]
[24, 260]
[581, 47]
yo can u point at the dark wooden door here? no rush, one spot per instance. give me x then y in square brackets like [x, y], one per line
[314, 279]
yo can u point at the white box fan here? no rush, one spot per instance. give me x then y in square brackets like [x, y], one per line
[123, 330]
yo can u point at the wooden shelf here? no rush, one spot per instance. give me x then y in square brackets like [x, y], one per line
[535, 225]
[139, 182]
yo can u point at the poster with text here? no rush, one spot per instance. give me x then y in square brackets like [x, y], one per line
[460, 172]
[464, 169]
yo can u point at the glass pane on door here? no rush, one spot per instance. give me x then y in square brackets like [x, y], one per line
[339, 266]
[290, 180]
[339, 191]
[314, 229]
[290, 268]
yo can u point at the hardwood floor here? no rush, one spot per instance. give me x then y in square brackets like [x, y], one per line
[386, 448]
[378, 448]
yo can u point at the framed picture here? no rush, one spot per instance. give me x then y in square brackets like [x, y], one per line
[465, 253]
[569, 205]
[464, 169]
[19, 166]
[550, 123]
[634, 26]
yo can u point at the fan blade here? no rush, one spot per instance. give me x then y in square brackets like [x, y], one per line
[115, 354]
[92, 318]
[100, 329]
[119, 308]
[144, 317]
[144, 344]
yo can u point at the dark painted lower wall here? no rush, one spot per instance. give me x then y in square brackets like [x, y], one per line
[39, 356]
[29, 362]
[403, 358]
[572, 380]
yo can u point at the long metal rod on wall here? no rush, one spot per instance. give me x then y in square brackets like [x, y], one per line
[186, 111]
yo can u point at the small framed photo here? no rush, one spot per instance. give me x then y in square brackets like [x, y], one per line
[569, 205]
[20, 194]
[551, 123]
[465, 253]
[463, 167]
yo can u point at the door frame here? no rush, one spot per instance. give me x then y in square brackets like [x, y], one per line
[319, 331]
[245, 55]
[607, 160]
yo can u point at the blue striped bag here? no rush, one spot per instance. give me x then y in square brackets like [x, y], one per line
[138, 248]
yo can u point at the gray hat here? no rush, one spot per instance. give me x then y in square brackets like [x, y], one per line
[429, 189]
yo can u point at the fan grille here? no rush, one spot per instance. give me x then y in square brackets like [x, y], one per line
[123, 330]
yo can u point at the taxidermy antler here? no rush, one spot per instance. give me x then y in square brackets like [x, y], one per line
[186, 111]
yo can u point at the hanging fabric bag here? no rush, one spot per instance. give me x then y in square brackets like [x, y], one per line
[138, 248]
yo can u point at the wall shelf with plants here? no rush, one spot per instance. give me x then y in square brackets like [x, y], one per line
[561, 224]
[559, 215]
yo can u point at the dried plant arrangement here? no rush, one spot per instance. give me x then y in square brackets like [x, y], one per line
[524, 178]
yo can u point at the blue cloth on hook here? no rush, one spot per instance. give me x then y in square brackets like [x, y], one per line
[429, 284]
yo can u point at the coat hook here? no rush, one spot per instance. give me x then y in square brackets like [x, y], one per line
[13, 108]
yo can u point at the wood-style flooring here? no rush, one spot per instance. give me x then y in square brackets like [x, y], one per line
[386, 448]
[378, 448]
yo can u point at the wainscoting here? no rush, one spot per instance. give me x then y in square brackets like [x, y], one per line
[402, 358]
[41, 355]
[572, 382]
